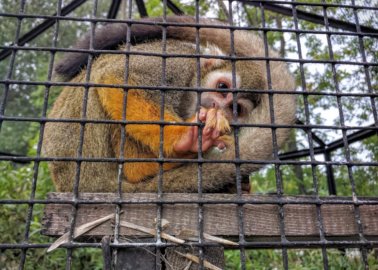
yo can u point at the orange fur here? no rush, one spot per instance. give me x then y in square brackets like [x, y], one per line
[139, 108]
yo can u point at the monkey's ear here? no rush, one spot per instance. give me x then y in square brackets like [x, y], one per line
[211, 63]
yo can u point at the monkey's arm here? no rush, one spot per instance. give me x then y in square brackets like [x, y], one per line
[179, 141]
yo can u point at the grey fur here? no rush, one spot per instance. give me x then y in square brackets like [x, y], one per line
[61, 139]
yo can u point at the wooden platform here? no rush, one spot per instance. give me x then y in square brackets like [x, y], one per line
[261, 216]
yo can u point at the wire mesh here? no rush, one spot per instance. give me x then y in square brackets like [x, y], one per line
[332, 164]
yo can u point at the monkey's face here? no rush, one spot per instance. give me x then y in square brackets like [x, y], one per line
[248, 76]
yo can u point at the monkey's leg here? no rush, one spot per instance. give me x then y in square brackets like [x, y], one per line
[137, 171]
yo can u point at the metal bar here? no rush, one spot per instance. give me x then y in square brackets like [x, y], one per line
[279, 180]
[36, 31]
[317, 139]
[354, 137]
[175, 9]
[330, 175]
[307, 16]
[114, 8]
[260, 244]
[106, 252]
[141, 8]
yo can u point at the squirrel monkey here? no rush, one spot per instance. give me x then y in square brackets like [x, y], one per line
[102, 140]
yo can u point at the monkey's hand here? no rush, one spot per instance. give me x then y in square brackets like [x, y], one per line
[213, 134]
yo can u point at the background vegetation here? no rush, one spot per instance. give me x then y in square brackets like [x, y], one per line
[27, 101]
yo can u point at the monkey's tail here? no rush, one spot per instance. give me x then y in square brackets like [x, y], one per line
[110, 36]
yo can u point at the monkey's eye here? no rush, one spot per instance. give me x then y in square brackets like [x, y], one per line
[222, 85]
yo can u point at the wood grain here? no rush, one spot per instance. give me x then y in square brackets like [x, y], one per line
[261, 215]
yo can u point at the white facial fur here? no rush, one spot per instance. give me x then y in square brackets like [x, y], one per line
[221, 76]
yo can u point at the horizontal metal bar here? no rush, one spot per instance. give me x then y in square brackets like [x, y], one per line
[351, 138]
[165, 123]
[307, 16]
[14, 155]
[316, 4]
[188, 161]
[195, 25]
[300, 153]
[193, 89]
[249, 245]
[195, 56]
[193, 198]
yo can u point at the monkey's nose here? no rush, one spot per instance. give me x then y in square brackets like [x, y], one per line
[216, 100]
[227, 101]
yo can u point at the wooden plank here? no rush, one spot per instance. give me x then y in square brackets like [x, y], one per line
[261, 216]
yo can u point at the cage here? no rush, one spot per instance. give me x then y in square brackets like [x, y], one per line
[311, 205]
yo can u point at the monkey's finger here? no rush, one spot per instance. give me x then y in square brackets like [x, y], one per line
[207, 138]
[186, 142]
[215, 134]
[207, 131]
[194, 133]
[211, 118]
[206, 144]
[202, 114]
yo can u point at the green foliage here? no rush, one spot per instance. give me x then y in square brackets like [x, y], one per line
[303, 259]
[16, 184]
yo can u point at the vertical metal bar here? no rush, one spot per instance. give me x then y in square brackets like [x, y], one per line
[366, 67]
[346, 144]
[200, 154]
[374, 109]
[159, 208]
[330, 175]
[279, 183]
[121, 165]
[106, 252]
[81, 140]
[40, 140]
[311, 143]
[4, 101]
[240, 208]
